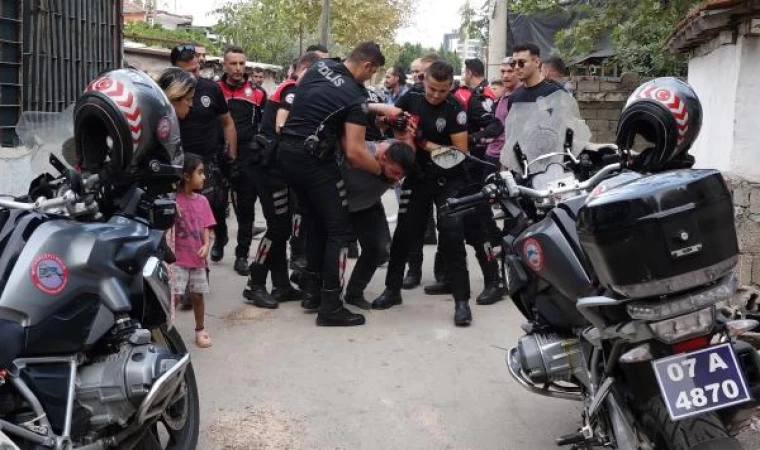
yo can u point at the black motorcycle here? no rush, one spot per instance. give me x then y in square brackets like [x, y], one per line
[86, 360]
[621, 276]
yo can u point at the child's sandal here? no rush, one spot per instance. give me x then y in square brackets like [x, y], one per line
[202, 339]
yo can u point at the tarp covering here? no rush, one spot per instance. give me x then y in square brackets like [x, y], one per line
[542, 28]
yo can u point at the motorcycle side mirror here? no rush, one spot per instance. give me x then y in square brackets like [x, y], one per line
[447, 157]
[160, 170]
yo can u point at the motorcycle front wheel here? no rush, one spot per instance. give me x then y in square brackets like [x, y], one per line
[178, 427]
[705, 432]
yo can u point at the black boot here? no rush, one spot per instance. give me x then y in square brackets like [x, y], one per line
[492, 291]
[462, 314]
[439, 288]
[258, 296]
[357, 300]
[491, 294]
[241, 267]
[388, 299]
[311, 284]
[287, 294]
[411, 280]
[333, 314]
[217, 251]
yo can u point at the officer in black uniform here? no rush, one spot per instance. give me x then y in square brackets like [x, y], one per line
[481, 231]
[329, 110]
[246, 102]
[441, 122]
[201, 133]
[274, 195]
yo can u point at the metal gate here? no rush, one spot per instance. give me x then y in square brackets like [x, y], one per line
[50, 50]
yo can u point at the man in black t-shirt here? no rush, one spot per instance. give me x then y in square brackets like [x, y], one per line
[329, 108]
[441, 121]
[527, 59]
[200, 133]
[274, 195]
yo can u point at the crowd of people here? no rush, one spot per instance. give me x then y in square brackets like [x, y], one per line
[319, 153]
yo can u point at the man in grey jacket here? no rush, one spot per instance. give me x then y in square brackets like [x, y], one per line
[364, 192]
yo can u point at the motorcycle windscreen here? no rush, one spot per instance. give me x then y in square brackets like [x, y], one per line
[539, 129]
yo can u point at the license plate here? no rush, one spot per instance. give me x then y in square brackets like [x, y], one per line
[700, 381]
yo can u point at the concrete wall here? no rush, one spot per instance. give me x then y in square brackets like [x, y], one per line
[497, 41]
[601, 100]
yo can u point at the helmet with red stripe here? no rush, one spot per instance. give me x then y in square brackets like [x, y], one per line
[667, 113]
[122, 121]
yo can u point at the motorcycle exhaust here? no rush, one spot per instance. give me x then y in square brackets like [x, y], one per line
[547, 390]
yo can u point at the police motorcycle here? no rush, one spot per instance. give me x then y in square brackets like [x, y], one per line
[87, 361]
[621, 262]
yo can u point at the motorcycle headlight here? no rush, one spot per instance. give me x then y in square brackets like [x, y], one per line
[684, 327]
[658, 310]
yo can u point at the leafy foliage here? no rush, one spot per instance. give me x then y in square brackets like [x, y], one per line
[270, 30]
[409, 52]
[638, 30]
[171, 37]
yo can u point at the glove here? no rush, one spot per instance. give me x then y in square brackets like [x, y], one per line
[398, 122]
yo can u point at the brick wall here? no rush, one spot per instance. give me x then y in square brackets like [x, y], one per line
[601, 100]
[747, 208]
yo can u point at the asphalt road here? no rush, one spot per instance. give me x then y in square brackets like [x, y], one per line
[408, 379]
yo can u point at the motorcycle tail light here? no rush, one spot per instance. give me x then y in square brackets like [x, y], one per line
[691, 345]
[684, 327]
[665, 309]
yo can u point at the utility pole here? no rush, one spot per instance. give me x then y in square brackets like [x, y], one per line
[324, 24]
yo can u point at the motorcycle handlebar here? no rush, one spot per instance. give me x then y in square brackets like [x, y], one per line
[588, 184]
[466, 200]
[66, 199]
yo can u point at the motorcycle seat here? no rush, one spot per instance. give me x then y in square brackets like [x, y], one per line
[12, 336]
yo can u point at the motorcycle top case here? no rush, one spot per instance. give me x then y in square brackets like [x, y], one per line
[660, 234]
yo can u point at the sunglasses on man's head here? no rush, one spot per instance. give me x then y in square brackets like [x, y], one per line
[186, 52]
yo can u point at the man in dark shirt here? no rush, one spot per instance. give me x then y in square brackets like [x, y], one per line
[481, 230]
[329, 109]
[199, 132]
[527, 59]
[441, 121]
[246, 102]
[274, 194]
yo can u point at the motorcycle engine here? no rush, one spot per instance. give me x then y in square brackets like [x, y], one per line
[112, 387]
[549, 357]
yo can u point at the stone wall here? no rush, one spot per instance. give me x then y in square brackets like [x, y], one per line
[747, 207]
[601, 100]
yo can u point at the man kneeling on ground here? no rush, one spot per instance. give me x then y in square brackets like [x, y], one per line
[364, 192]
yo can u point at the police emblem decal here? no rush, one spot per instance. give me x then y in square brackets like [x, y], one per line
[206, 101]
[440, 124]
[462, 118]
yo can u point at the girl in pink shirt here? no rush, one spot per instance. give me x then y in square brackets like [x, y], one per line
[191, 243]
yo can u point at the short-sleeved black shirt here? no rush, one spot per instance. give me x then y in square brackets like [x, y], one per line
[436, 123]
[282, 98]
[525, 94]
[200, 130]
[328, 88]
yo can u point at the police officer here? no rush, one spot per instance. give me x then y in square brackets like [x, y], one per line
[329, 110]
[274, 194]
[441, 122]
[413, 277]
[200, 131]
[481, 230]
[245, 102]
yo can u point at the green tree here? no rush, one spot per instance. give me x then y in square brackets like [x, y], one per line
[270, 30]
[157, 36]
[638, 30]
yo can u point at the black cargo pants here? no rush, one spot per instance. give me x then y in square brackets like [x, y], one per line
[371, 228]
[418, 192]
[322, 193]
[216, 191]
[246, 193]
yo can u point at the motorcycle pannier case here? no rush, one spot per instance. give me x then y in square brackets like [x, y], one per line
[660, 234]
